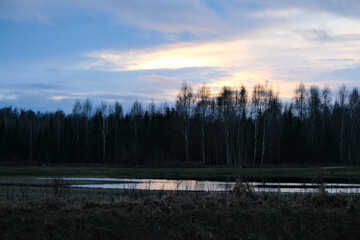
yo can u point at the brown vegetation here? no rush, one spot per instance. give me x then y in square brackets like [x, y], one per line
[239, 214]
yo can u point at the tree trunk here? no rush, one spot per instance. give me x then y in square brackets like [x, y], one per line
[58, 146]
[238, 150]
[116, 137]
[31, 146]
[228, 152]
[242, 151]
[263, 143]
[104, 148]
[341, 139]
[255, 141]
[77, 130]
[350, 141]
[186, 138]
[186, 148]
[203, 143]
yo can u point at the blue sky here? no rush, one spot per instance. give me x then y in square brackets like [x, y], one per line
[52, 52]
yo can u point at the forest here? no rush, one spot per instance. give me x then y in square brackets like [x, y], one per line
[235, 127]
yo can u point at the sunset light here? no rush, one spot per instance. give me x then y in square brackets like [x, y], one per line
[123, 49]
[179, 119]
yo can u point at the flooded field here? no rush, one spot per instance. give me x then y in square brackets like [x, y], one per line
[206, 186]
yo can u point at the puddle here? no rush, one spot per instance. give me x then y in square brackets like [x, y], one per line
[207, 186]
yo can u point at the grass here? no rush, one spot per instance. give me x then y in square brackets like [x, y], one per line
[224, 174]
[171, 221]
[30, 209]
[59, 213]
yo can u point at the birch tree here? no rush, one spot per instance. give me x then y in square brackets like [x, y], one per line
[325, 105]
[32, 131]
[59, 119]
[87, 110]
[136, 116]
[259, 103]
[76, 111]
[226, 116]
[118, 112]
[354, 116]
[103, 112]
[342, 96]
[300, 101]
[202, 109]
[314, 110]
[184, 103]
[241, 103]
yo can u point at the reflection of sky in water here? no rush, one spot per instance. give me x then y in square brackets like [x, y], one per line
[202, 183]
[309, 190]
[211, 186]
[101, 179]
[171, 185]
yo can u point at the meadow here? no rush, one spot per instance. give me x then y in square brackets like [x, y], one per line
[35, 209]
[198, 173]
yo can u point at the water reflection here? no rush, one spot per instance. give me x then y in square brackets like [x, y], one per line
[208, 186]
[168, 185]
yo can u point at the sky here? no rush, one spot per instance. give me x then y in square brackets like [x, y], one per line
[55, 51]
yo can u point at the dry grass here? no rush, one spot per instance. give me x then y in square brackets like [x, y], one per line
[61, 213]
[177, 217]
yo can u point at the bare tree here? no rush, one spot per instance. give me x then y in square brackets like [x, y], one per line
[118, 111]
[325, 103]
[342, 96]
[259, 103]
[33, 131]
[77, 117]
[151, 109]
[87, 111]
[59, 123]
[300, 101]
[273, 116]
[136, 113]
[354, 114]
[202, 109]
[226, 116]
[136, 116]
[241, 103]
[103, 112]
[184, 102]
[314, 110]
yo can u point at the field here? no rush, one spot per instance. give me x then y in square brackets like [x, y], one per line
[223, 174]
[32, 209]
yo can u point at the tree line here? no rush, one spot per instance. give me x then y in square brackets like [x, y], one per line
[234, 127]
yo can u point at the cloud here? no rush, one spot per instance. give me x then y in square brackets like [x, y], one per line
[217, 42]
[8, 96]
[175, 17]
[278, 49]
[276, 13]
[161, 15]
[349, 8]
[44, 86]
[348, 75]
[35, 100]
[297, 52]
[125, 98]
[169, 56]
[158, 80]
[186, 16]
[35, 11]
